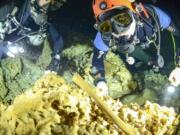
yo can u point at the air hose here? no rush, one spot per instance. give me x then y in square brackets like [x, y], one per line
[158, 45]
[25, 35]
[157, 40]
[174, 48]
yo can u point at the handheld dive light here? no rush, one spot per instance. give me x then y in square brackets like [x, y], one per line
[170, 88]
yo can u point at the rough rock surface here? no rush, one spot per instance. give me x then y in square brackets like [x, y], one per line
[54, 107]
[140, 98]
[150, 85]
[20, 73]
[119, 79]
[154, 88]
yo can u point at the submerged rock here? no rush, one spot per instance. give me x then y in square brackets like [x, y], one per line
[155, 81]
[79, 57]
[11, 67]
[140, 98]
[3, 90]
[20, 73]
[119, 79]
[45, 58]
[52, 107]
[154, 88]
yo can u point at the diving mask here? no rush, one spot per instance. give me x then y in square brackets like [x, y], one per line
[116, 23]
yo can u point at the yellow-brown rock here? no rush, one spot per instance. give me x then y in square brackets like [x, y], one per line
[54, 107]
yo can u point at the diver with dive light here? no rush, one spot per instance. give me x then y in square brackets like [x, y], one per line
[129, 28]
[23, 25]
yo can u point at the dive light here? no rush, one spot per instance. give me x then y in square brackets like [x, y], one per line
[170, 88]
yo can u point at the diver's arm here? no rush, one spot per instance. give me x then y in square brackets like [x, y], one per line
[98, 65]
[57, 45]
[55, 39]
[100, 50]
[165, 20]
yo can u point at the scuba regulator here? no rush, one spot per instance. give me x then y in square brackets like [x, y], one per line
[144, 14]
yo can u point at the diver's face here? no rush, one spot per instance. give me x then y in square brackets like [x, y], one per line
[43, 3]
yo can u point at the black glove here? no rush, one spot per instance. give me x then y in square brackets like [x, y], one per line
[98, 75]
[54, 64]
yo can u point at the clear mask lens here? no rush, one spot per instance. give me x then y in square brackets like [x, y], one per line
[105, 27]
[122, 19]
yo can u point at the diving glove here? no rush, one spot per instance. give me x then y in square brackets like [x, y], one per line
[100, 83]
[54, 64]
[103, 88]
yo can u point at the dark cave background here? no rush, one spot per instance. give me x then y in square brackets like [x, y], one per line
[77, 15]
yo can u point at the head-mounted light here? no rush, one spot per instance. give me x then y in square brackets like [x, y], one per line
[103, 5]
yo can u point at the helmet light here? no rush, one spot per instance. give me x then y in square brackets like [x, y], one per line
[103, 5]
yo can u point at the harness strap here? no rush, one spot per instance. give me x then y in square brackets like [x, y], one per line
[140, 9]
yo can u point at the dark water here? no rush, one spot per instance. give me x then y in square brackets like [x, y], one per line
[78, 15]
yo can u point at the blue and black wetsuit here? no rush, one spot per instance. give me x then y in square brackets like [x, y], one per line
[24, 17]
[102, 42]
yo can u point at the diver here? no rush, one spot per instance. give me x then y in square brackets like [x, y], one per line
[27, 24]
[128, 28]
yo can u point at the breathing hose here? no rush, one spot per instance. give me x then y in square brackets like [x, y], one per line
[159, 38]
[158, 45]
[174, 48]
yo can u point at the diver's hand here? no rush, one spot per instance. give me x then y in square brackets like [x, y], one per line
[103, 87]
[54, 64]
[174, 77]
